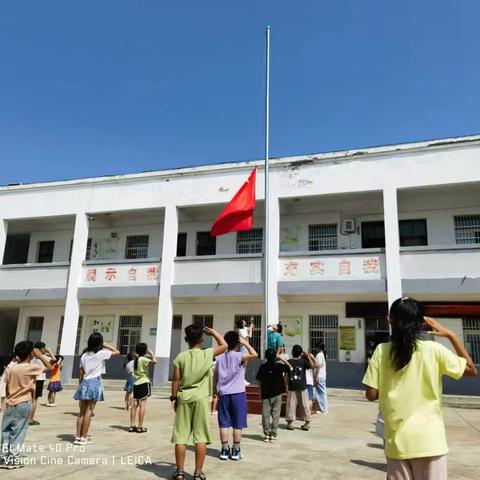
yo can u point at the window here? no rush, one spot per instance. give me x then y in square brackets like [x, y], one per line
[256, 340]
[373, 235]
[471, 335]
[129, 333]
[45, 251]
[413, 233]
[250, 241]
[322, 237]
[181, 245]
[204, 321]
[87, 253]
[467, 229]
[324, 329]
[136, 247]
[35, 327]
[206, 244]
[79, 334]
[376, 331]
[60, 331]
[177, 322]
[16, 249]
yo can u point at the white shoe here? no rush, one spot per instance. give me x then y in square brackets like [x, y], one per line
[90, 440]
[77, 440]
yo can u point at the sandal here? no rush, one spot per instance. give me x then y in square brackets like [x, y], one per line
[132, 429]
[141, 430]
[199, 476]
[290, 427]
[266, 439]
[177, 474]
[305, 427]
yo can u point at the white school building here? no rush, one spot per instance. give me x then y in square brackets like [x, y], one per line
[131, 255]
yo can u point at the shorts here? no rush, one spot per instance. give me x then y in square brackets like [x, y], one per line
[54, 387]
[90, 390]
[129, 384]
[232, 411]
[39, 388]
[310, 392]
[142, 391]
[192, 420]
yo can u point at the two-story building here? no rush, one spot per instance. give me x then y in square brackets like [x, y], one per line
[349, 232]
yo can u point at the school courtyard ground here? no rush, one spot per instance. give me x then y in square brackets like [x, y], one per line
[339, 445]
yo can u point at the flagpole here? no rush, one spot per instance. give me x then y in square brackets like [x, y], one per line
[267, 153]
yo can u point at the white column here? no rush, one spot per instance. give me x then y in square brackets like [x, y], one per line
[3, 238]
[72, 305]
[272, 219]
[392, 244]
[165, 304]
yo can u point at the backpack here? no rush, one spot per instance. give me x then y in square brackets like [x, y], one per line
[296, 378]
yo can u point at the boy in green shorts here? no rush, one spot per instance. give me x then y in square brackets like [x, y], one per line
[190, 391]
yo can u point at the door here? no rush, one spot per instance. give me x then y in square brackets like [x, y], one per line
[35, 328]
[204, 321]
[175, 342]
[129, 333]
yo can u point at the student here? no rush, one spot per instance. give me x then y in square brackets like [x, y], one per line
[405, 374]
[321, 378]
[90, 390]
[128, 388]
[309, 376]
[297, 388]
[40, 380]
[275, 340]
[142, 388]
[244, 331]
[54, 385]
[190, 392]
[20, 391]
[3, 382]
[271, 377]
[229, 384]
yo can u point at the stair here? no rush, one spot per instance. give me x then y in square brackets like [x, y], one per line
[254, 401]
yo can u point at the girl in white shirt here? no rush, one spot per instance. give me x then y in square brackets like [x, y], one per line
[321, 380]
[90, 390]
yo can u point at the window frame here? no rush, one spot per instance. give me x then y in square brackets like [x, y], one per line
[327, 241]
[471, 328]
[40, 254]
[132, 332]
[250, 245]
[205, 235]
[256, 340]
[467, 234]
[412, 220]
[139, 250]
[183, 252]
[325, 332]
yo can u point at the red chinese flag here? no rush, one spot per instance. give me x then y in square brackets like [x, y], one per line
[238, 214]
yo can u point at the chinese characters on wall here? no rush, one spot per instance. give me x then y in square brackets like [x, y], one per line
[120, 275]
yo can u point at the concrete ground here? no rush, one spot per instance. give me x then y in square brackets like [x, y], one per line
[339, 445]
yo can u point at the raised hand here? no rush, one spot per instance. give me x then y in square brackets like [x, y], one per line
[437, 329]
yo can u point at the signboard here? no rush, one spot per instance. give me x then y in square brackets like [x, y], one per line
[347, 338]
[292, 332]
[333, 268]
[122, 274]
[103, 324]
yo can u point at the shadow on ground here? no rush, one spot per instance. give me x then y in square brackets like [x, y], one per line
[375, 445]
[161, 470]
[382, 467]
[211, 452]
[120, 427]
[66, 437]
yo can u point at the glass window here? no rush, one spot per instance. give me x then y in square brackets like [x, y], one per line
[322, 237]
[129, 333]
[136, 247]
[35, 327]
[413, 232]
[324, 329]
[206, 244]
[256, 339]
[45, 251]
[250, 241]
[181, 245]
[177, 322]
[471, 336]
[467, 229]
[373, 234]
[204, 321]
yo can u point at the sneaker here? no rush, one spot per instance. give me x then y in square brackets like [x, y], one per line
[236, 454]
[225, 453]
[80, 441]
[273, 439]
[90, 440]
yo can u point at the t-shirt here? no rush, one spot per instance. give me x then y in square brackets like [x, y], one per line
[411, 398]
[274, 340]
[20, 380]
[92, 363]
[55, 374]
[130, 367]
[271, 378]
[322, 363]
[43, 375]
[243, 332]
[297, 380]
[230, 373]
[309, 376]
[141, 372]
[195, 372]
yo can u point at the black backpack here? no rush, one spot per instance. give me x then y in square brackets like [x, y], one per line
[296, 377]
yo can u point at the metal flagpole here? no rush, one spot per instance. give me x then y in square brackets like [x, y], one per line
[267, 215]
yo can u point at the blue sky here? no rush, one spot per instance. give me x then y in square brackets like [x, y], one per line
[91, 88]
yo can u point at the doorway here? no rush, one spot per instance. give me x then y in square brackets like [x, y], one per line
[175, 342]
[376, 331]
[8, 323]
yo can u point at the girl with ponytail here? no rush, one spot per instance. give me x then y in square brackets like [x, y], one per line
[405, 376]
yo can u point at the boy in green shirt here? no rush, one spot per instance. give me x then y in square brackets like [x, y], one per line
[190, 392]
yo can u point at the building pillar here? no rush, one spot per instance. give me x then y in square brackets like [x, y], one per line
[392, 244]
[165, 303]
[3, 238]
[72, 304]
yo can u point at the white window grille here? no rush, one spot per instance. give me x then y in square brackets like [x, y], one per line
[250, 241]
[471, 335]
[324, 329]
[129, 333]
[322, 237]
[256, 340]
[467, 229]
[136, 247]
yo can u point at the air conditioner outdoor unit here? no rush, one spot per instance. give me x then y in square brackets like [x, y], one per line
[348, 225]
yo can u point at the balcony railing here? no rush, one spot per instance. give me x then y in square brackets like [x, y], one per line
[34, 276]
